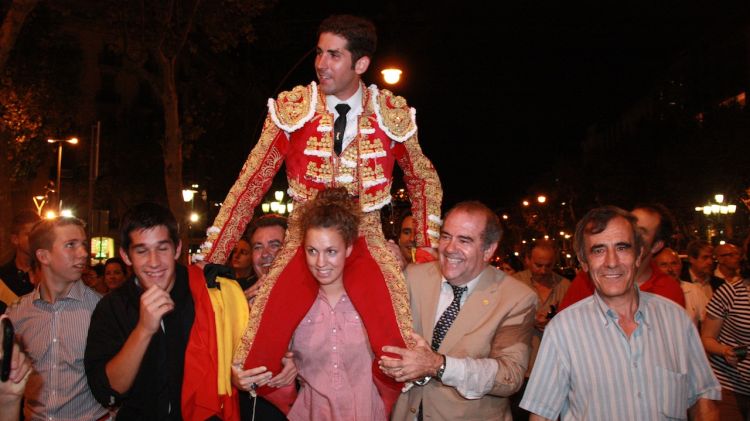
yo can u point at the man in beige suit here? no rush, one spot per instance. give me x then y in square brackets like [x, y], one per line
[476, 322]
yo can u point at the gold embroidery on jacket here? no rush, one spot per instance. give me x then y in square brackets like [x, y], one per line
[395, 113]
[300, 191]
[326, 122]
[372, 176]
[292, 106]
[370, 228]
[319, 172]
[260, 166]
[365, 125]
[376, 199]
[319, 146]
[423, 185]
[371, 148]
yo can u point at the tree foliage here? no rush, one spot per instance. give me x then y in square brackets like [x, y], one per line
[37, 89]
[38, 84]
[163, 42]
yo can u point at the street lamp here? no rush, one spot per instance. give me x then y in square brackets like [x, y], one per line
[391, 76]
[72, 141]
[277, 205]
[188, 194]
[717, 209]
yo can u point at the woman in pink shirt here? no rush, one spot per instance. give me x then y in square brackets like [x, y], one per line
[330, 345]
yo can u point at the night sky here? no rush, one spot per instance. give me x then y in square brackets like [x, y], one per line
[504, 92]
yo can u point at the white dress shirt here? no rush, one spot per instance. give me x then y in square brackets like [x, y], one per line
[352, 117]
[472, 377]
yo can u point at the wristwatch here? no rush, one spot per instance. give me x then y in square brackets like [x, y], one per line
[440, 370]
[438, 375]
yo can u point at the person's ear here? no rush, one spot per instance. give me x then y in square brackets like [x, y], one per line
[178, 250]
[361, 65]
[124, 256]
[657, 247]
[641, 255]
[487, 254]
[43, 256]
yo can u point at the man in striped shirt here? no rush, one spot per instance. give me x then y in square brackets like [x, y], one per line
[621, 354]
[52, 322]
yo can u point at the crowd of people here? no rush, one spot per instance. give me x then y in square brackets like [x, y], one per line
[124, 354]
[319, 317]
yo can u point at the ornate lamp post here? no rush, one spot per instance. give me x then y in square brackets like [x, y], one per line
[717, 210]
[277, 205]
[72, 141]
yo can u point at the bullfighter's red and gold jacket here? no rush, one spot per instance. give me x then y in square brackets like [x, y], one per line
[299, 131]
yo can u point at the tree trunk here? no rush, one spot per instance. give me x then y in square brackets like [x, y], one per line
[172, 149]
[6, 198]
[12, 25]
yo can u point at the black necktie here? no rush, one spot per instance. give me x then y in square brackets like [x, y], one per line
[443, 324]
[447, 318]
[339, 127]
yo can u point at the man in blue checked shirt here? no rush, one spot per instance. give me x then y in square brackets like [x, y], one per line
[621, 354]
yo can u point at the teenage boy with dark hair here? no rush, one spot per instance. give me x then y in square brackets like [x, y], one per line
[136, 346]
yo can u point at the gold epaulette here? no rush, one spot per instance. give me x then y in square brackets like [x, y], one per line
[292, 109]
[395, 117]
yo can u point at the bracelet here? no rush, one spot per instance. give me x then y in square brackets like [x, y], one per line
[423, 381]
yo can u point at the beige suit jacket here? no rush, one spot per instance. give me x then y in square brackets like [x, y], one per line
[495, 322]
